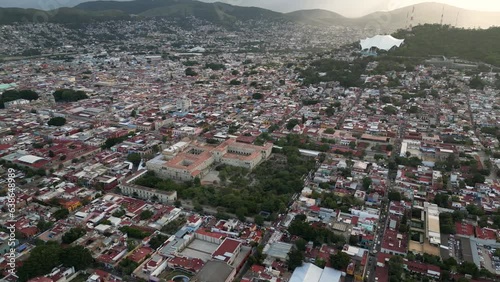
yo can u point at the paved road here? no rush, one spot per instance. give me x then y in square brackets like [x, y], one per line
[384, 208]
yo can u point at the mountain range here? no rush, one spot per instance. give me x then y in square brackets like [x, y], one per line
[221, 13]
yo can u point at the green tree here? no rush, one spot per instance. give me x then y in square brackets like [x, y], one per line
[295, 259]
[476, 83]
[42, 260]
[118, 213]
[442, 200]
[340, 260]
[190, 72]
[197, 181]
[257, 96]
[235, 82]
[77, 256]
[69, 95]
[134, 158]
[57, 121]
[395, 268]
[352, 145]
[259, 220]
[468, 268]
[301, 244]
[157, 241]
[73, 234]
[43, 225]
[61, 214]
[134, 232]
[390, 110]
[475, 210]
[241, 213]
[394, 196]
[330, 111]
[329, 131]
[367, 181]
[11, 95]
[292, 123]
[146, 214]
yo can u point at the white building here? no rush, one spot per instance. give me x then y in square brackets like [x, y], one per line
[183, 104]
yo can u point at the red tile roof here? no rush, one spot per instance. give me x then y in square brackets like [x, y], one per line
[486, 233]
[258, 268]
[465, 229]
[140, 254]
[190, 264]
[228, 246]
[391, 241]
[218, 235]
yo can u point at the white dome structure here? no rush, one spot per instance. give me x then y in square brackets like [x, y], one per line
[381, 42]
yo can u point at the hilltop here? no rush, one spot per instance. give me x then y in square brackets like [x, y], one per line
[61, 15]
[430, 13]
[384, 22]
[475, 45]
[219, 13]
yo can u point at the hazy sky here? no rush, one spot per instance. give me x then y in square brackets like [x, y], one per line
[357, 8]
[349, 8]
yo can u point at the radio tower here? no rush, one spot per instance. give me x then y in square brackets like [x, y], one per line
[456, 21]
[442, 15]
[412, 16]
[407, 16]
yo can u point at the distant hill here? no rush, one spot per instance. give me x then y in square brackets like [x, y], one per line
[425, 13]
[430, 13]
[61, 15]
[318, 16]
[379, 22]
[214, 12]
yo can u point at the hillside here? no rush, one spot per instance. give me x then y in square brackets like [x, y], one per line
[383, 22]
[475, 45]
[430, 13]
[61, 15]
[317, 17]
[214, 12]
[130, 7]
[220, 13]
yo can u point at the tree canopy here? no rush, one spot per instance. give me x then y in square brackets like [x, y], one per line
[11, 95]
[69, 95]
[340, 260]
[44, 258]
[134, 158]
[295, 259]
[470, 44]
[73, 234]
[57, 121]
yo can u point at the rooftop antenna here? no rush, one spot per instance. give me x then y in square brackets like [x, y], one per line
[442, 15]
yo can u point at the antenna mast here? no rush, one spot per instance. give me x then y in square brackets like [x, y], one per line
[442, 15]
[456, 21]
[407, 17]
[412, 16]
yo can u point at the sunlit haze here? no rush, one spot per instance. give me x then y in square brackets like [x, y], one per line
[357, 8]
[353, 8]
